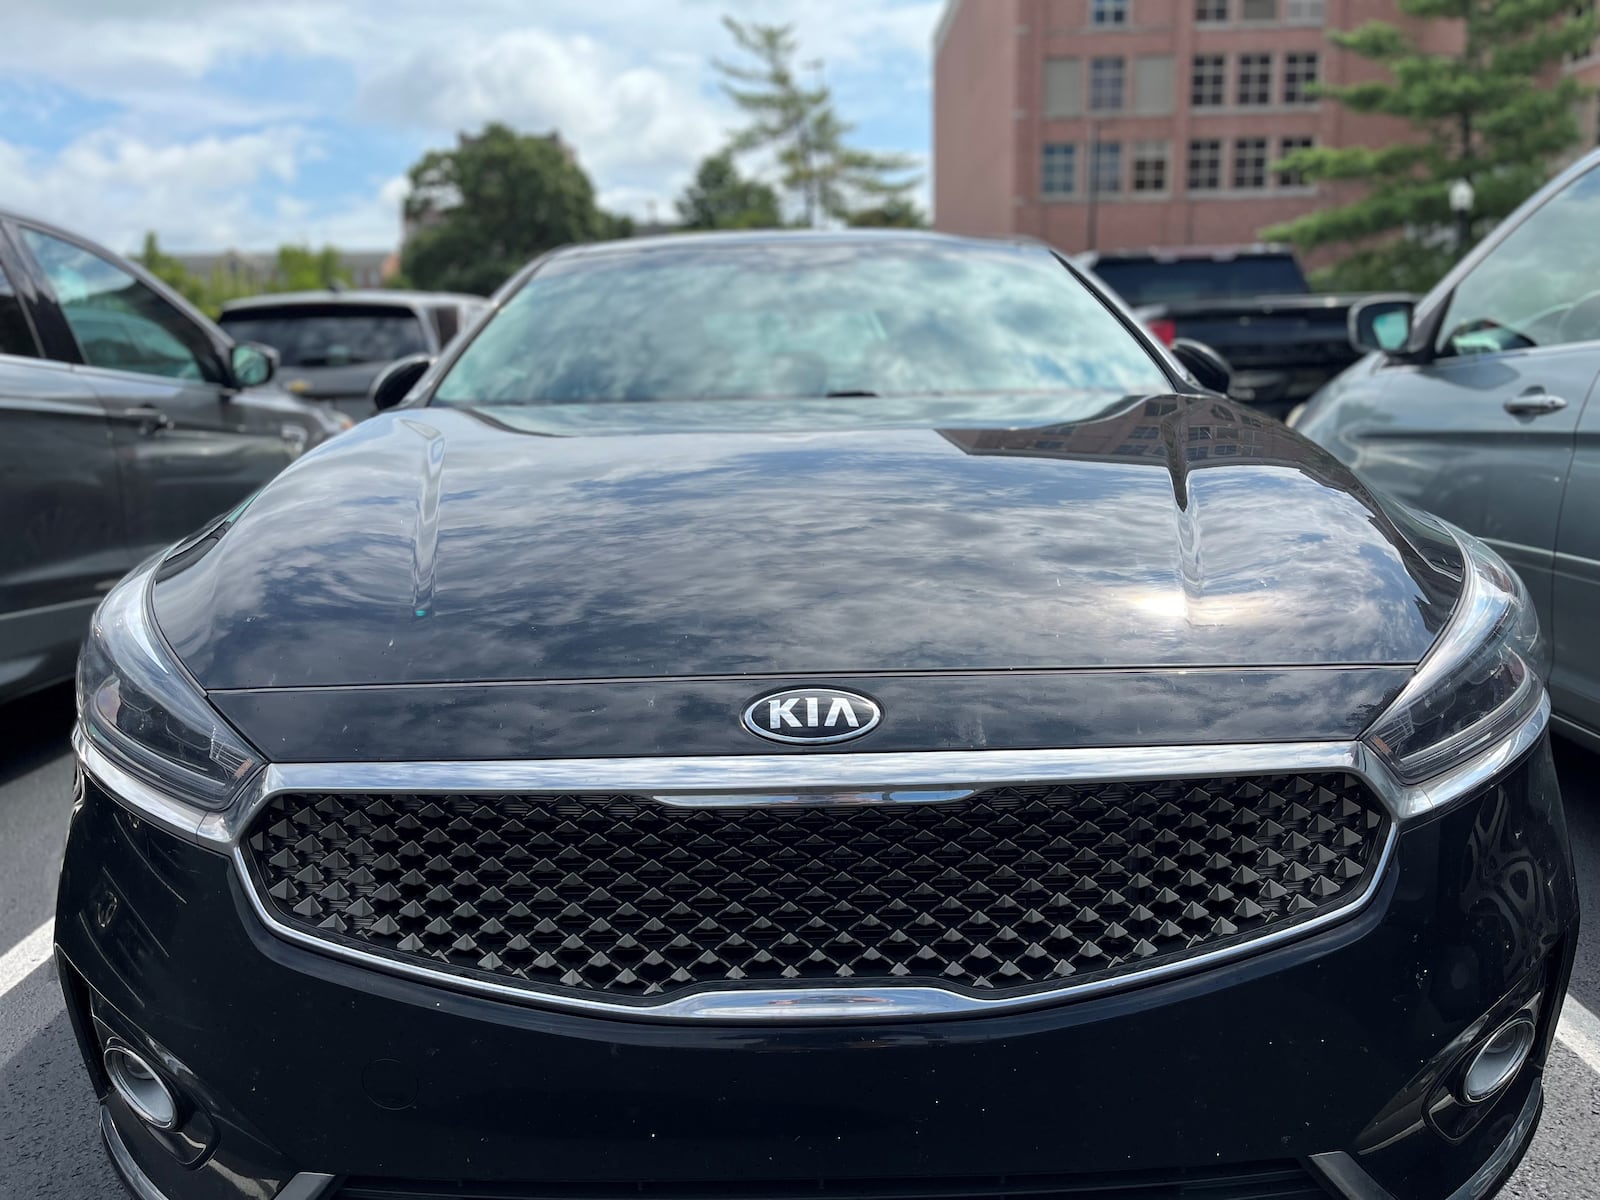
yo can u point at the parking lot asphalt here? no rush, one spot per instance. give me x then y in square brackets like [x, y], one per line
[49, 1143]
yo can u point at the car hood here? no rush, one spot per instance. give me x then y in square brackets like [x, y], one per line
[432, 545]
[1319, 303]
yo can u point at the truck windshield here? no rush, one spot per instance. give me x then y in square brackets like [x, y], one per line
[860, 324]
[1142, 281]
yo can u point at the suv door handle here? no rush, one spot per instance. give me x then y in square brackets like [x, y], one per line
[1533, 403]
[150, 419]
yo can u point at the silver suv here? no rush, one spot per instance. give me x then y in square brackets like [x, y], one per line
[1477, 404]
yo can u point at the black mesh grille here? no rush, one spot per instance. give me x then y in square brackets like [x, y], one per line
[1011, 889]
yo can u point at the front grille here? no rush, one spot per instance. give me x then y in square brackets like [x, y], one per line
[1009, 890]
[1267, 1181]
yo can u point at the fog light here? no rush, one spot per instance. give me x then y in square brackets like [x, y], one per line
[141, 1089]
[1498, 1060]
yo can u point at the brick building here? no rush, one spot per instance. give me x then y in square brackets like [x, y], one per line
[1102, 124]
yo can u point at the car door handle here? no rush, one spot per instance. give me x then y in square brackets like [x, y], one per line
[1534, 402]
[150, 419]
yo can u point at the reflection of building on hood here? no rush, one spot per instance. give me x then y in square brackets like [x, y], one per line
[1201, 430]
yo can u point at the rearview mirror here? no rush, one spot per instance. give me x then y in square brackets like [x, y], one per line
[1381, 324]
[396, 380]
[252, 364]
[1209, 368]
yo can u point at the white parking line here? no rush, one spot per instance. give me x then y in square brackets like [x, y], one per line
[1579, 1031]
[17, 963]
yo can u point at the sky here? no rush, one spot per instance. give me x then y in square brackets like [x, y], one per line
[250, 123]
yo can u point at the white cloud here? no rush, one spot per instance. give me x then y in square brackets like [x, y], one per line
[214, 110]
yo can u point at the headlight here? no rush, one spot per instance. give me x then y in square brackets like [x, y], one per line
[139, 708]
[1483, 678]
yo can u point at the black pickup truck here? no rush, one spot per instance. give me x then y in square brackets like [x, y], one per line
[1251, 304]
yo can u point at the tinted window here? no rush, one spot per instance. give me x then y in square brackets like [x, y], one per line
[1143, 281]
[446, 321]
[118, 321]
[1540, 286]
[806, 319]
[15, 335]
[331, 335]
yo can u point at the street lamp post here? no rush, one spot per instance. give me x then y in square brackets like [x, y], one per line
[1462, 198]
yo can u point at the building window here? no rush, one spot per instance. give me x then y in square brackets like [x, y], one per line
[1258, 10]
[1106, 79]
[1152, 84]
[1205, 165]
[1063, 87]
[1300, 71]
[1255, 79]
[1058, 169]
[1150, 166]
[1105, 173]
[1208, 81]
[1109, 12]
[1250, 163]
[1286, 147]
[1210, 12]
[1304, 12]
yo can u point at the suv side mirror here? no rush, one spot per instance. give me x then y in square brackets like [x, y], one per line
[252, 364]
[1381, 324]
[1208, 367]
[395, 381]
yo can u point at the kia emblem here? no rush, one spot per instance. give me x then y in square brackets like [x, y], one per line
[811, 716]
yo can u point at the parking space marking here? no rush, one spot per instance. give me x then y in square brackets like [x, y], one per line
[17, 963]
[1579, 1031]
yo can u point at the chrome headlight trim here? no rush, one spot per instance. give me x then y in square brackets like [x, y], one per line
[1478, 683]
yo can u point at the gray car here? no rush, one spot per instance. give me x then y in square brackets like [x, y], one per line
[127, 420]
[1477, 404]
[333, 344]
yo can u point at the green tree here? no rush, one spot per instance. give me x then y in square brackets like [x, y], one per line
[1496, 114]
[799, 126]
[721, 198]
[896, 213]
[497, 199]
[172, 272]
[301, 269]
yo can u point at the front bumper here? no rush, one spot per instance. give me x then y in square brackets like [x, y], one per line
[1328, 1060]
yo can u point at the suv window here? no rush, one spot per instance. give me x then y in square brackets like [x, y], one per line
[446, 321]
[1539, 287]
[16, 337]
[118, 321]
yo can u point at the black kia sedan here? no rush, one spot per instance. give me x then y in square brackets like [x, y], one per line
[833, 715]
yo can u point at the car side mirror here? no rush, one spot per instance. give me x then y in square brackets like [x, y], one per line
[1381, 324]
[251, 364]
[1208, 367]
[395, 381]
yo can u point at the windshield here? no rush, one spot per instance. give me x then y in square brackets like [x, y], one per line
[331, 335]
[867, 327]
[1150, 281]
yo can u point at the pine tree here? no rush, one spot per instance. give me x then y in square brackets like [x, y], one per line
[1496, 114]
[800, 126]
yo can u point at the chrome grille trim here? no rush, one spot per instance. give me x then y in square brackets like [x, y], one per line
[787, 774]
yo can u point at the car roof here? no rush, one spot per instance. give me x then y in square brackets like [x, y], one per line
[1186, 253]
[784, 237]
[393, 297]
